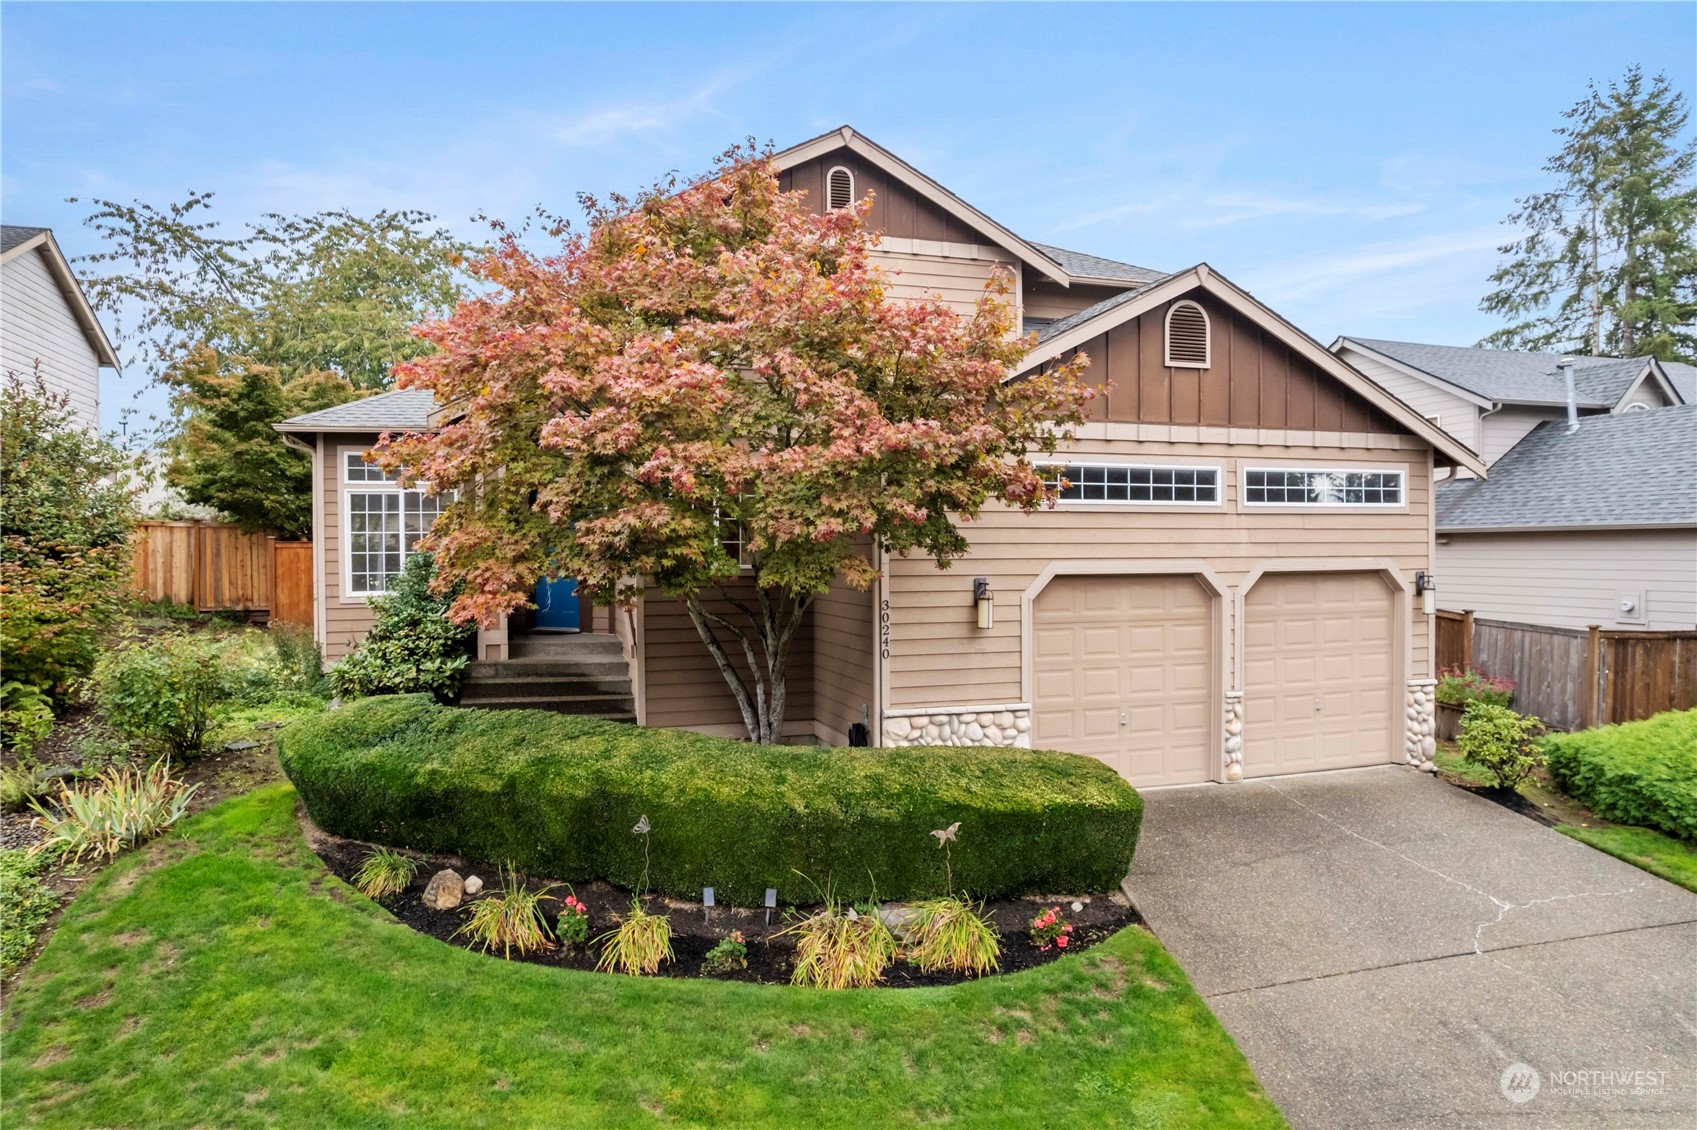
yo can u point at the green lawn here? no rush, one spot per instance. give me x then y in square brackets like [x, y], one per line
[221, 976]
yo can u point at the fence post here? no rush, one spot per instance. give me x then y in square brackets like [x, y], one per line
[1593, 673]
[1467, 639]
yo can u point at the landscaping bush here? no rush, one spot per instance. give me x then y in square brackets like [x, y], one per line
[26, 717]
[1459, 687]
[1642, 773]
[164, 691]
[412, 645]
[1501, 742]
[558, 796]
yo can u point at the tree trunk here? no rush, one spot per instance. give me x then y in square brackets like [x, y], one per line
[761, 690]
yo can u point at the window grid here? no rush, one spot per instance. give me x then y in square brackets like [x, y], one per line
[1322, 488]
[1110, 482]
[357, 470]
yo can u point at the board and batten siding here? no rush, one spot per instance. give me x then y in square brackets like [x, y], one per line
[36, 323]
[939, 657]
[1456, 415]
[1572, 579]
[346, 618]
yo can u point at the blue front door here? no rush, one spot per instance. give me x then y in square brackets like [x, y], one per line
[556, 604]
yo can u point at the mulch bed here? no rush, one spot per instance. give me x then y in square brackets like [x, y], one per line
[1512, 801]
[694, 932]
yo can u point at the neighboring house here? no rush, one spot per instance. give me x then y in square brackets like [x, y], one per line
[1229, 587]
[45, 317]
[1596, 526]
[1490, 398]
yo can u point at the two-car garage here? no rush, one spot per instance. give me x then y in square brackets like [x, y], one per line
[1130, 669]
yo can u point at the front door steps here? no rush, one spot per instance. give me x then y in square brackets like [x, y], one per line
[577, 673]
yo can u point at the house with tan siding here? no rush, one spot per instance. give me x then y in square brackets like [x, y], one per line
[1230, 585]
[46, 321]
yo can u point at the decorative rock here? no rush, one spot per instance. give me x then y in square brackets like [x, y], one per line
[986, 719]
[1022, 722]
[1005, 719]
[1234, 727]
[1077, 906]
[898, 727]
[974, 732]
[1234, 771]
[445, 890]
[473, 885]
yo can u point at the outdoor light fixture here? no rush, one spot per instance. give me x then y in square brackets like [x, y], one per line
[706, 904]
[985, 601]
[771, 901]
[1424, 588]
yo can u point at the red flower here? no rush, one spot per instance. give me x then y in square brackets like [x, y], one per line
[1061, 941]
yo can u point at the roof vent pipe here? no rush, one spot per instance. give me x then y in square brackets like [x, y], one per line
[1566, 367]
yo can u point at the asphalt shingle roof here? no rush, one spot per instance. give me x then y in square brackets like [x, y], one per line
[1095, 267]
[11, 235]
[400, 410]
[1684, 378]
[1500, 374]
[1631, 469]
[1062, 325]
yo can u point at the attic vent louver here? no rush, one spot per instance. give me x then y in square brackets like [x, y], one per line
[1187, 336]
[839, 191]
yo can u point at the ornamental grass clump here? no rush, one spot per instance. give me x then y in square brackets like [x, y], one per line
[119, 809]
[511, 920]
[640, 941]
[385, 872]
[949, 933]
[838, 947]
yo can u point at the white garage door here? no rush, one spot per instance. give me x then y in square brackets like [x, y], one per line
[1317, 671]
[1120, 669]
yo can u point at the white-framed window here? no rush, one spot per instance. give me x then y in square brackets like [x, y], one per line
[839, 188]
[1125, 482]
[381, 523]
[1188, 336]
[1279, 486]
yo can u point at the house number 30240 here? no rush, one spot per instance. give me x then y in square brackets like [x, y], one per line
[884, 629]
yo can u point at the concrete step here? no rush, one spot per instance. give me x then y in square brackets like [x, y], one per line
[539, 686]
[565, 645]
[548, 669]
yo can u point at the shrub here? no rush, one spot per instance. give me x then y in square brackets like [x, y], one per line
[164, 691]
[1459, 686]
[25, 906]
[1642, 773]
[120, 809]
[65, 520]
[573, 925]
[385, 872]
[22, 783]
[297, 663]
[1499, 741]
[512, 920]
[558, 795]
[638, 944]
[948, 933]
[26, 717]
[840, 948]
[730, 954]
[412, 645]
[1049, 930]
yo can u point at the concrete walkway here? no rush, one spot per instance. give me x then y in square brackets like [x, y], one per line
[1384, 946]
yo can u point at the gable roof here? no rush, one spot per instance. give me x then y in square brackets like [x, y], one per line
[1507, 376]
[1683, 378]
[16, 240]
[1076, 329]
[401, 410]
[1629, 470]
[1084, 267]
[845, 137]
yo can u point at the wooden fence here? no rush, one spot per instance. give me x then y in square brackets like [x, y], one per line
[214, 566]
[1576, 678]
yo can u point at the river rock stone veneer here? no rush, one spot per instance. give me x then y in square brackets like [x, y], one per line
[1234, 736]
[1420, 744]
[997, 724]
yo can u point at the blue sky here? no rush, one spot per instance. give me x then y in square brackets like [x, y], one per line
[1350, 164]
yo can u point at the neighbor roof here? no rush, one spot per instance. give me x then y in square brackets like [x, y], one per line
[1515, 377]
[1628, 470]
[403, 410]
[11, 235]
[1683, 377]
[16, 240]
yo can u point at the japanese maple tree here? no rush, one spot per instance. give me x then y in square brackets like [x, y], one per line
[711, 387]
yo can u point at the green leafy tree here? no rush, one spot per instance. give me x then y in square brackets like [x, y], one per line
[66, 513]
[298, 312]
[1607, 264]
[226, 453]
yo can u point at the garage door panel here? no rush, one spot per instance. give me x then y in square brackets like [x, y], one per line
[1317, 639]
[1138, 652]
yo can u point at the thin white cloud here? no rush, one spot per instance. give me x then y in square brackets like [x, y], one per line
[614, 123]
[1331, 272]
[1225, 208]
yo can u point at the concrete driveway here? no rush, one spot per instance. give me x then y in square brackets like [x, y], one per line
[1384, 947]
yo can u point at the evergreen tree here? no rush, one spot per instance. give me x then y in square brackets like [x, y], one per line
[1608, 263]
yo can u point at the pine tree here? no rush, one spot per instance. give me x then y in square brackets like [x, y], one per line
[1608, 264]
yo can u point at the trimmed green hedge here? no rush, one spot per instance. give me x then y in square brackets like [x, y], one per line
[1642, 773]
[557, 795]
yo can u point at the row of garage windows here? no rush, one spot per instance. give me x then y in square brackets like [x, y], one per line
[1129, 670]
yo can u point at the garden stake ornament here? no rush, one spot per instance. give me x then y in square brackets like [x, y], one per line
[945, 836]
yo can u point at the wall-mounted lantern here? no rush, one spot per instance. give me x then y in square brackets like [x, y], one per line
[1425, 586]
[985, 601]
